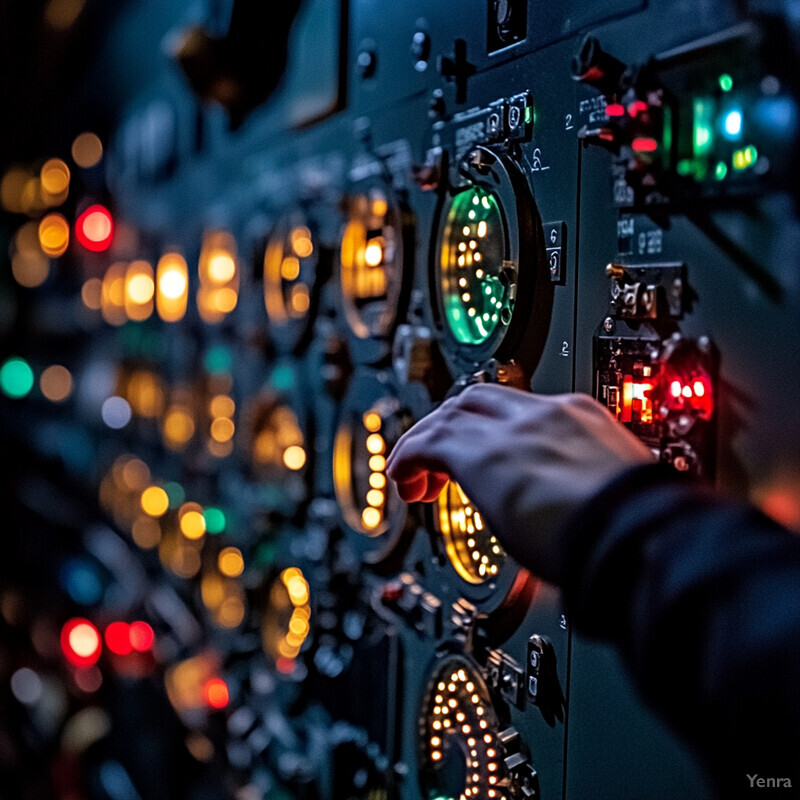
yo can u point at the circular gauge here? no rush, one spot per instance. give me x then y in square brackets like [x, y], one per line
[490, 278]
[461, 756]
[476, 293]
[277, 451]
[488, 577]
[286, 621]
[290, 279]
[473, 550]
[370, 425]
[374, 274]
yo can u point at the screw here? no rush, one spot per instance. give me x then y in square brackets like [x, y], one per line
[608, 324]
[436, 107]
[514, 116]
[366, 64]
[420, 50]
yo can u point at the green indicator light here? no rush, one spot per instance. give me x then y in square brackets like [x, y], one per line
[528, 115]
[725, 82]
[218, 360]
[264, 555]
[215, 520]
[282, 378]
[175, 493]
[744, 158]
[471, 263]
[703, 139]
[721, 171]
[685, 167]
[16, 378]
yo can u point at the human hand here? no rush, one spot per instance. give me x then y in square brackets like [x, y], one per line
[526, 461]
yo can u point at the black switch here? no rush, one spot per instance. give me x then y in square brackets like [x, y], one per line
[456, 69]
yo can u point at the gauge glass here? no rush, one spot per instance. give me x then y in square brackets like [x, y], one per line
[474, 289]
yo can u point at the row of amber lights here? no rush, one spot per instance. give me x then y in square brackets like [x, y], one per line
[373, 514]
[132, 291]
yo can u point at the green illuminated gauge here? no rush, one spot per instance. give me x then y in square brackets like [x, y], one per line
[474, 551]
[369, 427]
[461, 755]
[489, 268]
[290, 276]
[372, 260]
[476, 294]
[286, 621]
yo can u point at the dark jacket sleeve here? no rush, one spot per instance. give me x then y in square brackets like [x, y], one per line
[702, 597]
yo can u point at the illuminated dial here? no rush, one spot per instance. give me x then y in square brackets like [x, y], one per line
[287, 618]
[277, 442]
[489, 268]
[290, 271]
[371, 262]
[363, 442]
[476, 294]
[473, 550]
[461, 756]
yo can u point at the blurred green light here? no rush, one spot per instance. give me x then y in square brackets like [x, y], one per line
[721, 171]
[703, 139]
[16, 378]
[725, 82]
[215, 520]
[528, 115]
[218, 360]
[744, 158]
[175, 493]
[282, 378]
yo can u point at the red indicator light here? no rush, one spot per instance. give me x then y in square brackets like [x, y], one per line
[80, 642]
[699, 388]
[637, 107]
[142, 637]
[615, 110]
[285, 665]
[94, 229]
[644, 145]
[675, 388]
[636, 403]
[118, 638]
[215, 692]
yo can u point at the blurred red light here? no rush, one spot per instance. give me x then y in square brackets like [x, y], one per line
[615, 110]
[80, 642]
[637, 107]
[215, 692]
[94, 229]
[118, 638]
[645, 145]
[141, 636]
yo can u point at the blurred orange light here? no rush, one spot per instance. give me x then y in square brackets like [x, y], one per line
[54, 235]
[56, 383]
[216, 693]
[172, 283]
[55, 176]
[87, 150]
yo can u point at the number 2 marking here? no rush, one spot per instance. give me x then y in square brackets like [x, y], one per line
[568, 126]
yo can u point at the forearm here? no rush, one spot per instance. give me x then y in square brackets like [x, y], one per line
[702, 596]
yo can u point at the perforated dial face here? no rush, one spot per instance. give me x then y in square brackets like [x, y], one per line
[460, 752]
[290, 270]
[473, 550]
[474, 290]
[371, 260]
